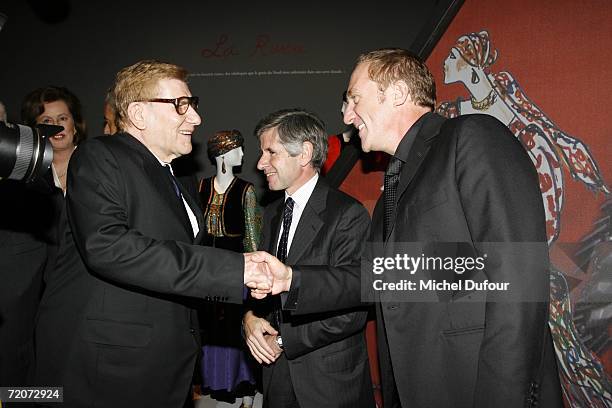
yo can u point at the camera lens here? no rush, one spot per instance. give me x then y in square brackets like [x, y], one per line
[24, 151]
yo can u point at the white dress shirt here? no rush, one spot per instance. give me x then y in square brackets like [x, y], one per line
[300, 197]
[192, 218]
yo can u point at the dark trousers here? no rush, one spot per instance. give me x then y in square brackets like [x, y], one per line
[279, 392]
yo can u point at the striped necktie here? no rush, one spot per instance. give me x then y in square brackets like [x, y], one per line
[281, 254]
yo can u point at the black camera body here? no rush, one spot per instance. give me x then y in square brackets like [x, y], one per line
[25, 153]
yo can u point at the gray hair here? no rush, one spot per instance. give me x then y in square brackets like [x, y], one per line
[296, 126]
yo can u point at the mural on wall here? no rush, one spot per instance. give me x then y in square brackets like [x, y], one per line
[499, 94]
[554, 153]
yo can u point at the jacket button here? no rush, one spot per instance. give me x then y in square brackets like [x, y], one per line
[192, 330]
[392, 307]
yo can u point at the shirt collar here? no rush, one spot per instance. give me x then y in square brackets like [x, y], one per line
[403, 149]
[302, 194]
[163, 163]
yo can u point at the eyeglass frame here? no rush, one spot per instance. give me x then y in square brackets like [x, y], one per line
[193, 102]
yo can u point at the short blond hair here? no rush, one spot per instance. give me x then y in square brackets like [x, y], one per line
[389, 65]
[139, 82]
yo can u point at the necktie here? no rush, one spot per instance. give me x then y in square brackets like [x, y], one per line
[177, 190]
[392, 176]
[179, 197]
[281, 254]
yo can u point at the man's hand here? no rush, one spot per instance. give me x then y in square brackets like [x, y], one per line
[256, 274]
[280, 272]
[261, 338]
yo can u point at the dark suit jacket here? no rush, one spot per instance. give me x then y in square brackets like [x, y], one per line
[327, 355]
[116, 327]
[30, 213]
[466, 180]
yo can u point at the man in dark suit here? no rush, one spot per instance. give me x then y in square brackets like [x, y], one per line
[116, 327]
[28, 242]
[467, 183]
[24, 253]
[317, 360]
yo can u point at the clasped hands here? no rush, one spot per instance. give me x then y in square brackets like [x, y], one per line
[261, 337]
[265, 275]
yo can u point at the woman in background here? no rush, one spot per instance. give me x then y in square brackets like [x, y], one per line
[53, 105]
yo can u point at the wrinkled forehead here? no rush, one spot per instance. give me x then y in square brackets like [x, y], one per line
[359, 78]
[57, 107]
[270, 135]
[171, 88]
[270, 139]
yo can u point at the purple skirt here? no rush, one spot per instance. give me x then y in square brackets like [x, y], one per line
[223, 368]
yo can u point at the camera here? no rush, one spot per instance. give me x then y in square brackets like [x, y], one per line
[25, 153]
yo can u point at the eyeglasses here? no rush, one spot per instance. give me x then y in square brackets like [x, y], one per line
[181, 104]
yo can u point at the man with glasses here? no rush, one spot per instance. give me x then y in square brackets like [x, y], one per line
[115, 327]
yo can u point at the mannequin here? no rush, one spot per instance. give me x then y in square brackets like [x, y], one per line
[232, 221]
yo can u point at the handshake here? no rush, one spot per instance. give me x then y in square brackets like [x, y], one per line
[265, 275]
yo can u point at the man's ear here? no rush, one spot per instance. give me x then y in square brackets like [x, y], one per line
[136, 115]
[306, 155]
[400, 93]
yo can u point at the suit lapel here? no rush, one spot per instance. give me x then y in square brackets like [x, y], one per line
[166, 190]
[276, 226]
[310, 222]
[418, 152]
[157, 175]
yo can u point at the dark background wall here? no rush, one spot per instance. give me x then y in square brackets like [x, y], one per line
[246, 60]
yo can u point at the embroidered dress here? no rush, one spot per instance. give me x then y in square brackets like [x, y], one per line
[232, 221]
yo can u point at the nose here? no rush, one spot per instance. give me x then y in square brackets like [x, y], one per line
[262, 162]
[193, 116]
[349, 113]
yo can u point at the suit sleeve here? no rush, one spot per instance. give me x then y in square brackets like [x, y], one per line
[326, 282]
[322, 331]
[498, 188]
[114, 249]
[335, 286]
